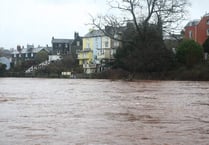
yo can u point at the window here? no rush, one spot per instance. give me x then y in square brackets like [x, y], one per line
[78, 43]
[14, 55]
[116, 44]
[113, 51]
[207, 22]
[106, 44]
[31, 54]
[190, 34]
[207, 32]
[88, 45]
[116, 36]
[26, 55]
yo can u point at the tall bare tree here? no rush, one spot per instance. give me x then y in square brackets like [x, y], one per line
[167, 14]
[145, 22]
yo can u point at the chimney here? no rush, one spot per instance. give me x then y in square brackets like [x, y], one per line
[76, 35]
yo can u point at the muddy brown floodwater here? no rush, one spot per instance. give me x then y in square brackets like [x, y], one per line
[103, 112]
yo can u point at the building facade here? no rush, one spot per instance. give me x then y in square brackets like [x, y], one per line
[61, 46]
[198, 30]
[76, 45]
[22, 54]
[97, 50]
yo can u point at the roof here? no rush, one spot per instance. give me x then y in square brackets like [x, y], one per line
[36, 50]
[62, 40]
[94, 33]
[173, 37]
[33, 50]
[192, 23]
[109, 30]
[206, 15]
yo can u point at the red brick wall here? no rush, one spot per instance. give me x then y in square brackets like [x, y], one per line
[202, 30]
[192, 29]
[199, 32]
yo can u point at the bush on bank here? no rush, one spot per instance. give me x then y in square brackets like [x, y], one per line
[189, 53]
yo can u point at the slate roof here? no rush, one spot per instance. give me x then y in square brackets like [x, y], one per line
[108, 29]
[32, 50]
[206, 15]
[69, 41]
[94, 33]
[192, 23]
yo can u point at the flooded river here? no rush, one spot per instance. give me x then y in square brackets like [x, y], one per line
[103, 112]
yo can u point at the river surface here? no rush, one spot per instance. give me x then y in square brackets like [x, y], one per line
[103, 112]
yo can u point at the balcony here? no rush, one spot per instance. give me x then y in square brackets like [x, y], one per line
[85, 50]
[105, 55]
[83, 57]
[89, 66]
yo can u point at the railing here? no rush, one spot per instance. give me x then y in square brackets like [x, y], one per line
[82, 57]
[36, 67]
[89, 65]
[105, 55]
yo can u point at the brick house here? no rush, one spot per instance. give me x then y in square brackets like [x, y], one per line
[198, 30]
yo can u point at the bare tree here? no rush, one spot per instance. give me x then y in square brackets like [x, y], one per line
[145, 22]
[167, 14]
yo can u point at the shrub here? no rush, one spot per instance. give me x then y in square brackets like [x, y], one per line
[206, 45]
[189, 53]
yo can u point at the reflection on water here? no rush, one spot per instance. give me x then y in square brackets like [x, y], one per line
[63, 112]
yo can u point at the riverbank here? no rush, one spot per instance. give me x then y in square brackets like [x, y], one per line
[197, 73]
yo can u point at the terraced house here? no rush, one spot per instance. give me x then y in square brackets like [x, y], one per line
[61, 46]
[29, 53]
[98, 49]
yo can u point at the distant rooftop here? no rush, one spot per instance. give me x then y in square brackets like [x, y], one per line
[61, 40]
[32, 50]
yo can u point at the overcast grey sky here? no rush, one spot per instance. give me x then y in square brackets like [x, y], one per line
[25, 22]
